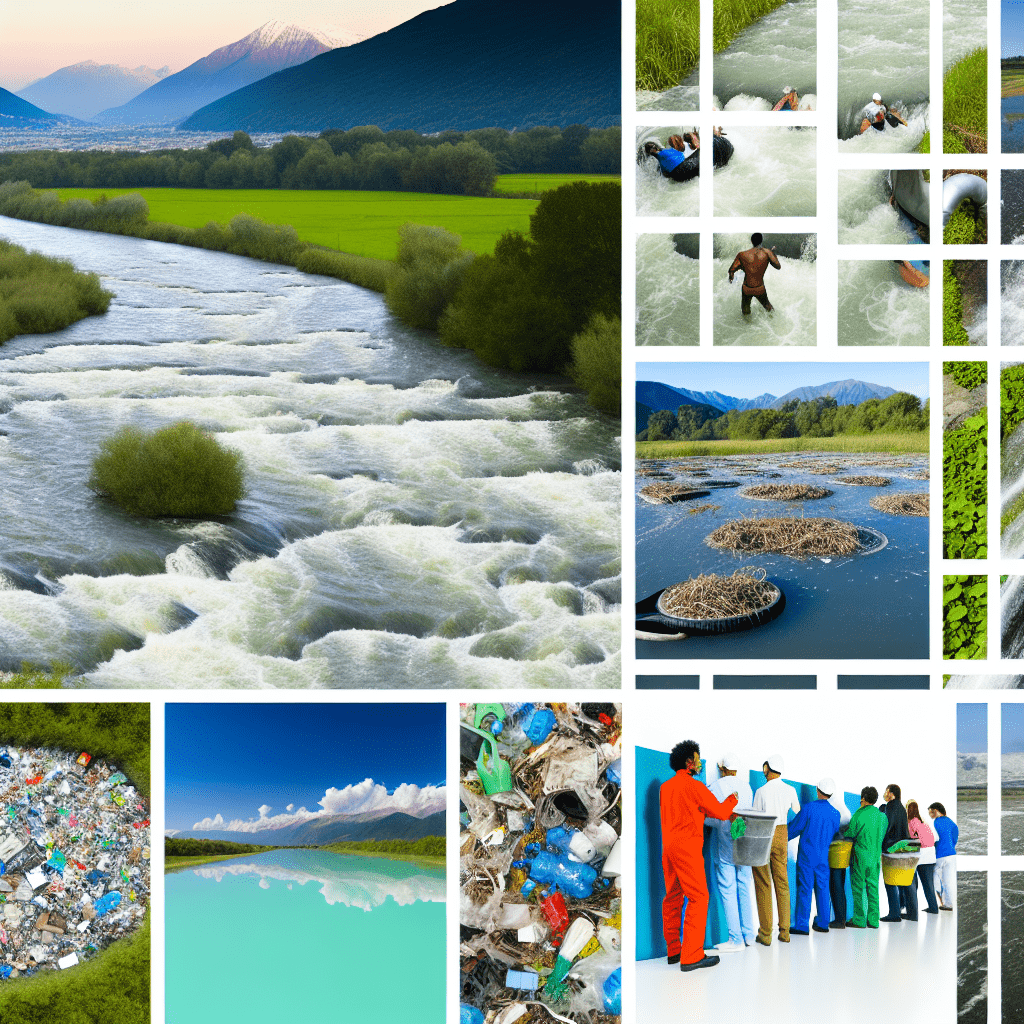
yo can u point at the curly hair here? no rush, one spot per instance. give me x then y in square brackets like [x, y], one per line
[681, 753]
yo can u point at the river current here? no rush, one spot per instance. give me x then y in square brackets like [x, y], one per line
[413, 518]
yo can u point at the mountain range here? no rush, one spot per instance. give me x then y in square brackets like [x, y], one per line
[18, 113]
[269, 49]
[656, 395]
[469, 64]
[334, 828]
[84, 89]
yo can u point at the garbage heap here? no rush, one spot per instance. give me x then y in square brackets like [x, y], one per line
[74, 859]
[540, 904]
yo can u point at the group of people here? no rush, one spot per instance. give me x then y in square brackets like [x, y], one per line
[680, 159]
[686, 803]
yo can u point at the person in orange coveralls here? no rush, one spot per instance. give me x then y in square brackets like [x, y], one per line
[685, 801]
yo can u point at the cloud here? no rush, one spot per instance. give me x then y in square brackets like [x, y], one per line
[359, 798]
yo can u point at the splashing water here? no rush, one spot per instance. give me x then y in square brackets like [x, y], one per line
[667, 293]
[877, 307]
[771, 174]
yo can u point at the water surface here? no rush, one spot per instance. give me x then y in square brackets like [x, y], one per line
[667, 293]
[877, 307]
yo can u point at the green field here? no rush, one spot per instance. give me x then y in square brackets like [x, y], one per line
[854, 444]
[545, 182]
[364, 223]
[178, 863]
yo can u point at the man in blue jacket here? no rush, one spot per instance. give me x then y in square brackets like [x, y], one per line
[945, 855]
[816, 824]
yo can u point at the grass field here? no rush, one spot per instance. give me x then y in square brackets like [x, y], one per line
[545, 182]
[964, 110]
[667, 42]
[894, 444]
[1011, 81]
[364, 223]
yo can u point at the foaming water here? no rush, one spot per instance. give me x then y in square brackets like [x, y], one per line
[1011, 487]
[1011, 314]
[657, 195]
[776, 50]
[791, 290]
[972, 947]
[412, 517]
[964, 29]
[771, 174]
[667, 293]
[1011, 605]
[883, 51]
[877, 307]
[866, 216]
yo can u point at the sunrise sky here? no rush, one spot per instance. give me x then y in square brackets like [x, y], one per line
[36, 40]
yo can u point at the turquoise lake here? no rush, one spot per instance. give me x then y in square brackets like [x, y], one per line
[305, 935]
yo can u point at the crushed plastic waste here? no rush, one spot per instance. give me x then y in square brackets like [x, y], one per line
[540, 905]
[74, 859]
[738, 829]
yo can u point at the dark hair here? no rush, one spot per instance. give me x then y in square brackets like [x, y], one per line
[937, 807]
[869, 793]
[913, 811]
[681, 753]
[895, 790]
[756, 238]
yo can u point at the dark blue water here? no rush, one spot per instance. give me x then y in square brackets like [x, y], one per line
[1011, 124]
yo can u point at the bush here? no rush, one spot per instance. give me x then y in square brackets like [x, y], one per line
[953, 330]
[430, 269]
[361, 270]
[597, 363]
[176, 471]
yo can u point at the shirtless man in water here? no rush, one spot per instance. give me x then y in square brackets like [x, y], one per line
[754, 262]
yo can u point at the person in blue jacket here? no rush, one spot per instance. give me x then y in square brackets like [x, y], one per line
[945, 855]
[816, 824]
[673, 163]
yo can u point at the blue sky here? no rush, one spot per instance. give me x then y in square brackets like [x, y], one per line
[1012, 17]
[245, 762]
[748, 380]
[1013, 728]
[972, 728]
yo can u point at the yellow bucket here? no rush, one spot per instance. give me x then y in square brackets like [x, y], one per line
[898, 868]
[839, 853]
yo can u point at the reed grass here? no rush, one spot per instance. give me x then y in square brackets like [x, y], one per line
[790, 535]
[710, 596]
[864, 481]
[964, 105]
[901, 504]
[893, 444]
[785, 492]
[667, 42]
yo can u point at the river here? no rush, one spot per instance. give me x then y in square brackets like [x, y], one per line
[866, 217]
[772, 173]
[296, 934]
[413, 518]
[1012, 540]
[887, 53]
[656, 195]
[877, 307]
[972, 948]
[667, 292]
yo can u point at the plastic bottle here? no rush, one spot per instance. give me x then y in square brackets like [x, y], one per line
[612, 991]
[570, 841]
[470, 1014]
[575, 879]
[537, 723]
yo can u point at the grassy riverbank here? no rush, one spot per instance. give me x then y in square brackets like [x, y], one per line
[964, 105]
[361, 223]
[412, 858]
[179, 863]
[667, 42]
[892, 444]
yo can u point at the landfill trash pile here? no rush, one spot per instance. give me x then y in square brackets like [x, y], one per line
[540, 904]
[74, 859]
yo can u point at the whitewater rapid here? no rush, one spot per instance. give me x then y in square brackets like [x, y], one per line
[667, 292]
[877, 307]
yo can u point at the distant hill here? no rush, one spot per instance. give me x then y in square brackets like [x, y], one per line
[643, 414]
[845, 392]
[18, 113]
[86, 88]
[469, 64]
[334, 829]
[268, 49]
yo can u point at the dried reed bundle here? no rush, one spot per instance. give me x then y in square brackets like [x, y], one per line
[785, 492]
[864, 481]
[901, 504]
[788, 536]
[665, 494]
[709, 596]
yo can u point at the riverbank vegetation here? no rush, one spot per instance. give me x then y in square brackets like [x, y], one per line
[965, 472]
[890, 444]
[1011, 74]
[429, 848]
[901, 413]
[667, 42]
[733, 16]
[953, 330]
[964, 105]
[178, 470]
[964, 616]
[520, 309]
[456, 163]
[39, 294]
[115, 985]
[968, 224]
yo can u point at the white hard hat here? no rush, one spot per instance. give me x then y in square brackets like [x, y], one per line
[776, 763]
[877, 98]
[729, 761]
[827, 786]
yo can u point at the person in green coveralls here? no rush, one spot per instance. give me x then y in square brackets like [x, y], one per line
[867, 830]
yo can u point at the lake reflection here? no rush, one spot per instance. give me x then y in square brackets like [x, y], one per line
[250, 939]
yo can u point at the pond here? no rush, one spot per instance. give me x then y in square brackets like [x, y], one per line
[296, 934]
[863, 606]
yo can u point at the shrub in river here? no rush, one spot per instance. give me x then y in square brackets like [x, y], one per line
[39, 294]
[964, 616]
[597, 362]
[969, 374]
[430, 268]
[176, 471]
[965, 489]
[667, 42]
[953, 330]
[964, 110]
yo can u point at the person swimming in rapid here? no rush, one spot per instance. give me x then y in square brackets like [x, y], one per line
[753, 263]
[877, 115]
[680, 160]
[789, 99]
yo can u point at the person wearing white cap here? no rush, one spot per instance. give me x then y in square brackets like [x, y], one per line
[735, 881]
[816, 824]
[777, 798]
[789, 99]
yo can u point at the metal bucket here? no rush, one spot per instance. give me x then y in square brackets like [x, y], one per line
[754, 847]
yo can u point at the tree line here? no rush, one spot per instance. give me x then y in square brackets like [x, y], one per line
[364, 158]
[209, 847]
[901, 413]
[428, 846]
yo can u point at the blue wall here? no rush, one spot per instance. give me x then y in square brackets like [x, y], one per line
[652, 769]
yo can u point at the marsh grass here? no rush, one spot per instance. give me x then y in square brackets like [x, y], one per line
[176, 471]
[39, 294]
[733, 16]
[964, 106]
[901, 504]
[854, 444]
[788, 535]
[667, 42]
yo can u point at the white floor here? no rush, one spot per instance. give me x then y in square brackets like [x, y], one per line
[851, 976]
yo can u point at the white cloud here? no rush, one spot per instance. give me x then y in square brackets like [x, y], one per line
[360, 798]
